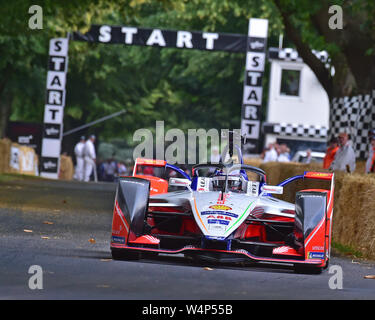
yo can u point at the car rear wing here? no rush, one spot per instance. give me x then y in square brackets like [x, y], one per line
[318, 175]
[327, 176]
[148, 162]
[157, 163]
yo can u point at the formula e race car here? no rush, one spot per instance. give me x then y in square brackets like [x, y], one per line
[223, 213]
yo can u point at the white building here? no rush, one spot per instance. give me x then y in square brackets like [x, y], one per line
[298, 106]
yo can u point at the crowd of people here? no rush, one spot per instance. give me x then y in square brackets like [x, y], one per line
[110, 169]
[339, 156]
[87, 166]
[85, 159]
[276, 153]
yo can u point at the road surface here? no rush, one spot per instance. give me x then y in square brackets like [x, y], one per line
[65, 228]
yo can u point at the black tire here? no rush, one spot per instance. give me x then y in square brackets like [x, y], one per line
[304, 269]
[125, 255]
[149, 255]
[327, 265]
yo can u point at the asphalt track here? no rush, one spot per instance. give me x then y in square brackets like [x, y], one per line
[64, 227]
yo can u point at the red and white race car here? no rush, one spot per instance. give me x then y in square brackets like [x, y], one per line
[221, 213]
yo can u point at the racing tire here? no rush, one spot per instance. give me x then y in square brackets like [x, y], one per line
[125, 255]
[150, 255]
[326, 265]
[305, 269]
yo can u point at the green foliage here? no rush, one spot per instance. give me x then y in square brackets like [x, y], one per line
[185, 88]
[351, 48]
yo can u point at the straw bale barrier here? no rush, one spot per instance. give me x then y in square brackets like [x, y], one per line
[4, 155]
[15, 158]
[66, 168]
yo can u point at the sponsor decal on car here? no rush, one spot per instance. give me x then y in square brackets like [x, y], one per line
[224, 213]
[318, 248]
[219, 221]
[220, 207]
[316, 255]
[320, 175]
[117, 239]
[203, 184]
[222, 198]
[219, 217]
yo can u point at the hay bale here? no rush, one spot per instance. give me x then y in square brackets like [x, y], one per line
[255, 162]
[66, 168]
[354, 216]
[20, 159]
[14, 165]
[4, 155]
[27, 160]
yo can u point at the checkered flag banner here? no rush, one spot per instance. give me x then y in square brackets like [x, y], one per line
[356, 116]
[296, 130]
[290, 54]
[286, 54]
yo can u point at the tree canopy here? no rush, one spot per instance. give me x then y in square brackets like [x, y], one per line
[185, 88]
[352, 48]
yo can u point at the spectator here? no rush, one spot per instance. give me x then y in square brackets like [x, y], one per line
[370, 163]
[78, 151]
[271, 154]
[345, 157]
[308, 157]
[283, 154]
[110, 168]
[215, 155]
[148, 171]
[101, 175]
[121, 169]
[333, 146]
[90, 159]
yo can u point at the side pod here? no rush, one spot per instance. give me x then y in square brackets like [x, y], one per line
[310, 212]
[129, 209]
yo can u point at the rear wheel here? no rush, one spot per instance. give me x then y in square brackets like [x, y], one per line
[124, 254]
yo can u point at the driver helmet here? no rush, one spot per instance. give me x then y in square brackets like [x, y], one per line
[218, 183]
[234, 184]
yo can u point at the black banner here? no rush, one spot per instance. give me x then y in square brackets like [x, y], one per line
[54, 107]
[211, 41]
[49, 165]
[253, 87]
[25, 133]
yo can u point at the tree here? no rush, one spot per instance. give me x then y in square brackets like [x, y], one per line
[24, 51]
[166, 84]
[352, 49]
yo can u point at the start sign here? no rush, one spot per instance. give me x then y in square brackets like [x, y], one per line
[253, 44]
[126, 35]
[54, 107]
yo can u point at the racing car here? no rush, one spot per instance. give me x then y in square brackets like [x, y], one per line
[221, 213]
